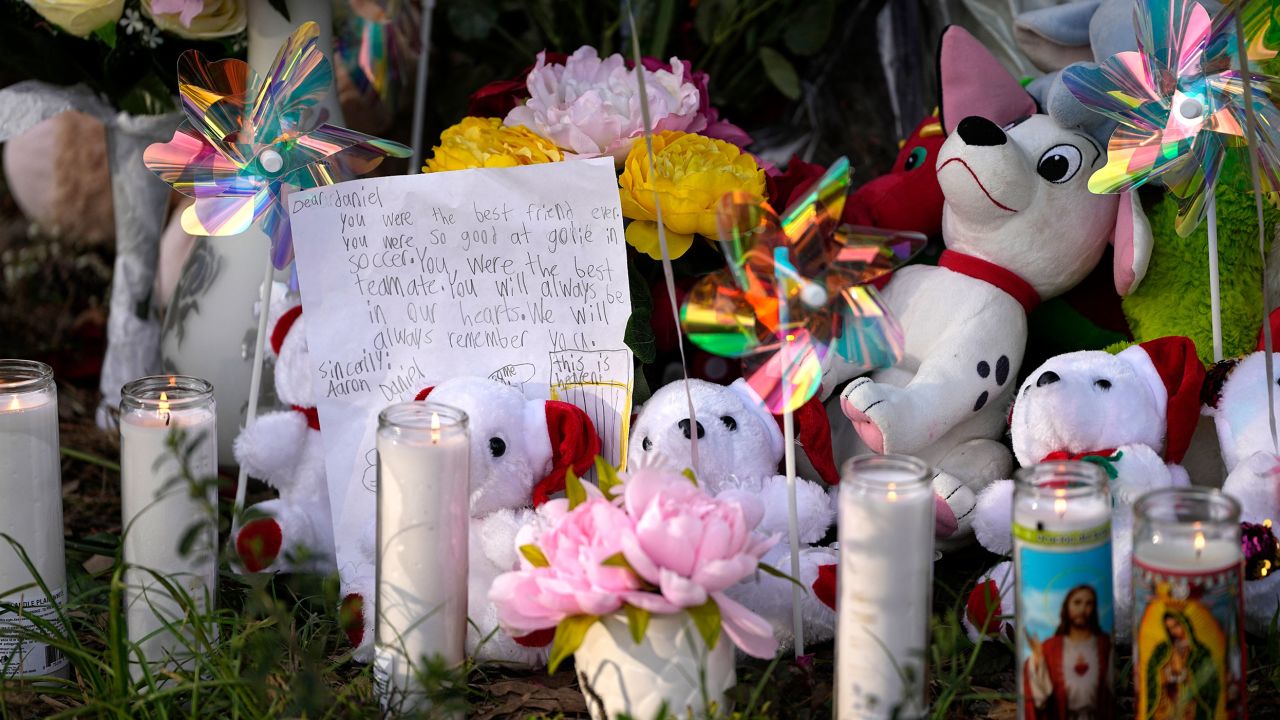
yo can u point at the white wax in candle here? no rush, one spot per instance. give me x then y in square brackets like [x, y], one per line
[1178, 555]
[422, 558]
[158, 510]
[1061, 514]
[30, 513]
[885, 592]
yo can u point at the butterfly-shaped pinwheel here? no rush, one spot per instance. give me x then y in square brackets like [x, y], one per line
[1181, 102]
[245, 139]
[795, 291]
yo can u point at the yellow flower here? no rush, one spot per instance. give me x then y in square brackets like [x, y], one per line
[219, 18]
[79, 17]
[691, 174]
[485, 143]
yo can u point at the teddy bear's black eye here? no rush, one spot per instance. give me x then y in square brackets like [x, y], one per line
[647, 444]
[729, 422]
[497, 447]
[1103, 384]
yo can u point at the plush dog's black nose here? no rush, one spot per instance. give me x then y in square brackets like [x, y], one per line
[976, 130]
[684, 428]
[1048, 378]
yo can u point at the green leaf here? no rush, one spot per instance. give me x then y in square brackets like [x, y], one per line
[811, 28]
[573, 489]
[473, 19]
[569, 636]
[688, 472]
[617, 560]
[534, 555]
[107, 34]
[780, 72]
[639, 335]
[606, 477]
[771, 570]
[706, 617]
[637, 621]
[281, 7]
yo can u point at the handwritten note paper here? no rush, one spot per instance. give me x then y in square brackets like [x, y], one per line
[516, 274]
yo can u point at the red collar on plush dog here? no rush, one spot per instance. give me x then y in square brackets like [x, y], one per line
[992, 274]
[311, 414]
[1068, 455]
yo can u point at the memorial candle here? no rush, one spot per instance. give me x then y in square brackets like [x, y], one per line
[31, 514]
[886, 531]
[1188, 596]
[1063, 586]
[159, 509]
[422, 527]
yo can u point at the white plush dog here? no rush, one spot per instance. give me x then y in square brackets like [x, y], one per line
[1240, 413]
[1132, 413]
[1020, 226]
[739, 448]
[520, 452]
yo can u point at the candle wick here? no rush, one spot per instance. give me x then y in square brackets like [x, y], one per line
[167, 418]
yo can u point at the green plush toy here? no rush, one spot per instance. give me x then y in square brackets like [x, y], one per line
[1173, 297]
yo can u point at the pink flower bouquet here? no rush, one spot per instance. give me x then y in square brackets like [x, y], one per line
[660, 546]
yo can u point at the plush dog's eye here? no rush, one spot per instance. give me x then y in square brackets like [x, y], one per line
[916, 158]
[1059, 163]
[729, 422]
[1103, 384]
[647, 444]
[497, 447]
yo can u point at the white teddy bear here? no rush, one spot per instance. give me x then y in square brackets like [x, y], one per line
[739, 448]
[1240, 413]
[1020, 226]
[293, 532]
[520, 453]
[1132, 413]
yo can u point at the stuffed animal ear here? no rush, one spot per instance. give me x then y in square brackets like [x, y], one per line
[973, 82]
[1054, 37]
[1214, 380]
[1132, 243]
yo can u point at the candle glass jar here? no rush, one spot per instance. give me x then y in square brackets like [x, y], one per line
[1188, 632]
[31, 514]
[169, 513]
[1064, 596]
[885, 585]
[424, 457]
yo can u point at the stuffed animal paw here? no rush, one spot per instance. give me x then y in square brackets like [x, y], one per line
[882, 415]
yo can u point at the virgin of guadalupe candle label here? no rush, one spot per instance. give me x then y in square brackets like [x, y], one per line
[516, 274]
[1066, 618]
[1188, 643]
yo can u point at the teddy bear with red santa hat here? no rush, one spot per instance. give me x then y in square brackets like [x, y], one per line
[1132, 414]
[521, 451]
[739, 448]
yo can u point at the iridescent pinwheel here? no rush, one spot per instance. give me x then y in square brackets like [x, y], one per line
[374, 46]
[246, 139]
[1180, 102]
[795, 291]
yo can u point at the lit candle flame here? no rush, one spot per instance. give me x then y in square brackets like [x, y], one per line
[14, 404]
[164, 406]
[435, 428]
[173, 380]
[1199, 543]
[1060, 504]
[893, 492]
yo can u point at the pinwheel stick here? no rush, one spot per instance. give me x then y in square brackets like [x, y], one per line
[793, 524]
[255, 384]
[1215, 294]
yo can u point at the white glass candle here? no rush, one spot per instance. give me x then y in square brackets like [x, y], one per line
[159, 509]
[885, 586]
[30, 513]
[423, 489]
[1188, 590]
[1063, 586]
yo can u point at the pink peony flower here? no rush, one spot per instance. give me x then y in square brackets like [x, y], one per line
[591, 107]
[693, 547]
[186, 10]
[714, 126]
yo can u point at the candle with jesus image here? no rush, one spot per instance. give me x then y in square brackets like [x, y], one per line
[1188, 605]
[159, 512]
[1063, 586]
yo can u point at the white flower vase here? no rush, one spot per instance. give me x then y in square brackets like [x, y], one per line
[672, 666]
[210, 326]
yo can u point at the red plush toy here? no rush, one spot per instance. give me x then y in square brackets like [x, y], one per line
[908, 196]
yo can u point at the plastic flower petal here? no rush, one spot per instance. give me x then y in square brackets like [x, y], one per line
[793, 291]
[246, 140]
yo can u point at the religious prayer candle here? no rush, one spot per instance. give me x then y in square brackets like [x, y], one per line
[160, 509]
[1188, 605]
[422, 527]
[31, 514]
[886, 531]
[1064, 598]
